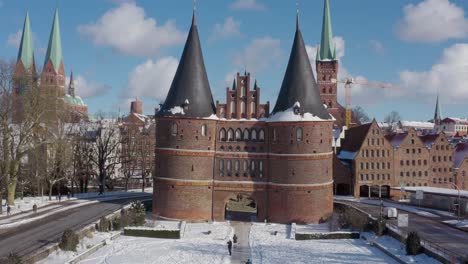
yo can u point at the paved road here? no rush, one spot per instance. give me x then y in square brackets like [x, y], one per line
[429, 229]
[241, 250]
[28, 238]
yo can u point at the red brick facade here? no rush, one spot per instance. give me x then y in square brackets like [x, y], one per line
[285, 167]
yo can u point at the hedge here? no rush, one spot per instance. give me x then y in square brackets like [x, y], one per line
[317, 236]
[170, 234]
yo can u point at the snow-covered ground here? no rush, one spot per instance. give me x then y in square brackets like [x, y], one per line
[419, 211]
[398, 249]
[270, 249]
[197, 246]
[60, 257]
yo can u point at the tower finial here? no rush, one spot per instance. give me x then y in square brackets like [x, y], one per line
[297, 15]
[194, 17]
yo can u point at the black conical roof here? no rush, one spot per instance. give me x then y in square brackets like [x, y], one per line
[299, 83]
[190, 84]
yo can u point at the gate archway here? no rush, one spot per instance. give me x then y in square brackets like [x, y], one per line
[241, 208]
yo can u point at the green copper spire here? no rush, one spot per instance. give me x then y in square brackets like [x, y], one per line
[234, 87]
[327, 46]
[438, 111]
[26, 50]
[54, 50]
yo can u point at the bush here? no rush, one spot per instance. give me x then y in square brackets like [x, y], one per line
[137, 213]
[69, 240]
[380, 226]
[104, 225]
[13, 258]
[413, 244]
[170, 234]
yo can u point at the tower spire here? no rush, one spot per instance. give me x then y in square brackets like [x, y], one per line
[438, 111]
[234, 87]
[26, 50]
[54, 49]
[327, 46]
[297, 15]
[71, 86]
[190, 90]
[194, 16]
[299, 86]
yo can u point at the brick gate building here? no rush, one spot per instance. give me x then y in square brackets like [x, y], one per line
[208, 155]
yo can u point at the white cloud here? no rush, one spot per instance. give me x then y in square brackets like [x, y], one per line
[230, 78]
[14, 39]
[247, 5]
[152, 79]
[432, 21]
[230, 28]
[449, 76]
[88, 89]
[378, 46]
[127, 30]
[259, 55]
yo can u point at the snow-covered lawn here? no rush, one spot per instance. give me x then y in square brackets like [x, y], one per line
[398, 249]
[60, 257]
[197, 246]
[461, 223]
[270, 249]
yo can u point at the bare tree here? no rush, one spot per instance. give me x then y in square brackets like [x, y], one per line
[360, 115]
[392, 120]
[130, 138]
[82, 158]
[17, 137]
[147, 155]
[106, 150]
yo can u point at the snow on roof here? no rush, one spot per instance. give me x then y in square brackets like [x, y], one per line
[396, 139]
[461, 152]
[177, 110]
[347, 155]
[290, 116]
[461, 121]
[417, 124]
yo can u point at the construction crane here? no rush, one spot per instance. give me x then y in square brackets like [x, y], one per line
[349, 82]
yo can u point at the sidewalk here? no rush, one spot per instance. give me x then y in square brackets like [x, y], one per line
[241, 250]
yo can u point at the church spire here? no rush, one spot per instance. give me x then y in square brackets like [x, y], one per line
[299, 85]
[438, 112]
[234, 86]
[26, 50]
[54, 49]
[327, 46]
[71, 86]
[190, 90]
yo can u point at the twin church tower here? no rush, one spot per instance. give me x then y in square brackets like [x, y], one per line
[52, 81]
[211, 156]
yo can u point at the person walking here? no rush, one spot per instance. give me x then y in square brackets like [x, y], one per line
[35, 208]
[248, 262]
[8, 210]
[229, 243]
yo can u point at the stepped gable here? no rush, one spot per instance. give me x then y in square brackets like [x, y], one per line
[299, 83]
[190, 94]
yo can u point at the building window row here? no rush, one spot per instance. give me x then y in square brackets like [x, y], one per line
[375, 153]
[408, 151]
[440, 158]
[413, 162]
[376, 142]
[239, 135]
[375, 165]
[241, 168]
[414, 174]
[441, 180]
[373, 177]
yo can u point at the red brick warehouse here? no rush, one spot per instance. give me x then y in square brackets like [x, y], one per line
[209, 154]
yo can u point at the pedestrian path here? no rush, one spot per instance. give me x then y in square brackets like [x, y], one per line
[241, 249]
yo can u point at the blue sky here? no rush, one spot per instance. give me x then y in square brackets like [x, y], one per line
[122, 49]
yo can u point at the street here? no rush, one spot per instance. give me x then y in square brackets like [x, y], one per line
[28, 238]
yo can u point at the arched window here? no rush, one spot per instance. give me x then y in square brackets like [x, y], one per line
[243, 108]
[245, 166]
[246, 134]
[252, 168]
[233, 107]
[329, 104]
[230, 135]
[221, 112]
[229, 165]
[238, 135]
[299, 133]
[174, 129]
[324, 90]
[253, 135]
[221, 167]
[275, 135]
[261, 135]
[222, 134]
[237, 166]
[330, 90]
[203, 130]
[253, 108]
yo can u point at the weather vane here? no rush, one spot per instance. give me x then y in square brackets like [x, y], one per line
[194, 5]
[297, 7]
